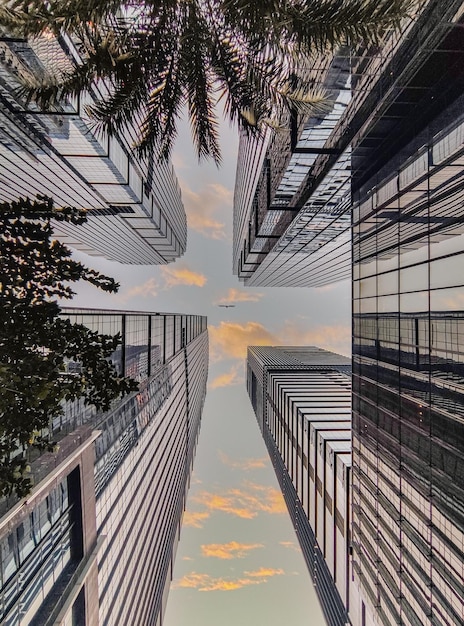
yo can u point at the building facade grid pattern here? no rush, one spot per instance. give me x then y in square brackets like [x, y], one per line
[302, 401]
[119, 510]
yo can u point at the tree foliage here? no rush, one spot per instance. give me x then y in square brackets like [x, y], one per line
[36, 344]
[157, 57]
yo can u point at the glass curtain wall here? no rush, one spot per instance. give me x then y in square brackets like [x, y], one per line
[408, 387]
[120, 510]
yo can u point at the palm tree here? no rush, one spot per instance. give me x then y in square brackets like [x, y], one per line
[156, 57]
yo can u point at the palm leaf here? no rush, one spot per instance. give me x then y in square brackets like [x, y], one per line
[35, 17]
[315, 24]
[107, 59]
[199, 81]
[166, 98]
[154, 56]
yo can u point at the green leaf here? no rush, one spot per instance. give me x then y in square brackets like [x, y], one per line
[36, 343]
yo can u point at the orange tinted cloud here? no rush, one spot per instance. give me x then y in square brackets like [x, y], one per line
[201, 209]
[335, 338]
[219, 584]
[233, 377]
[290, 544]
[174, 276]
[265, 572]
[195, 519]
[231, 550]
[171, 277]
[232, 504]
[204, 582]
[230, 340]
[246, 503]
[191, 581]
[267, 499]
[243, 464]
[147, 289]
[235, 295]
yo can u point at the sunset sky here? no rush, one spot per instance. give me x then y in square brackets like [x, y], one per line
[238, 561]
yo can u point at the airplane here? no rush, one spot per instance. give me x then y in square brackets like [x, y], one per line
[227, 306]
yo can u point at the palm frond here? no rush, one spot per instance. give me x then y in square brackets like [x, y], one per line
[166, 96]
[229, 63]
[16, 21]
[153, 56]
[329, 23]
[50, 91]
[315, 24]
[108, 58]
[35, 16]
[199, 82]
[118, 110]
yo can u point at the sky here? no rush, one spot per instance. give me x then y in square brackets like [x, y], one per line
[238, 560]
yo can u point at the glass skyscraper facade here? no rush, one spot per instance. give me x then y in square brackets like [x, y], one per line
[403, 130]
[302, 400]
[291, 203]
[408, 314]
[134, 205]
[94, 542]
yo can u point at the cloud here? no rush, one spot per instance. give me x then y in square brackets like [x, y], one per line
[231, 503]
[195, 519]
[335, 338]
[231, 550]
[201, 209]
[291, 545]
[233, 377]
[174, 276]
[235, 295]
[148, 289]
[170, 277]
[270, 500]
[243, 464]
[265, 572]
[205, 582]
[231, 339]
[247, 502]
[192, 581]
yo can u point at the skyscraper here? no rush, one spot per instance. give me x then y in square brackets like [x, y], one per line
[408, 350]
[291, 203]
[134, 204]
[302, 400]
[405, 124]
[95, 540]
